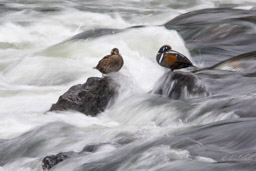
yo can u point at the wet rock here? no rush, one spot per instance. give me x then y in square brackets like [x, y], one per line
[50, 161]
[180, 85]
[92, 147]
[89, 98]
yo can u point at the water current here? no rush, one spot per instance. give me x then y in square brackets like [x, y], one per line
[42, 54]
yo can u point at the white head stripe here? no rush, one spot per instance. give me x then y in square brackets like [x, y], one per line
[161, 58]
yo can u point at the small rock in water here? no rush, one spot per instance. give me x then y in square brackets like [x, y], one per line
[91, 148]
[50, 161]
[89, 98]
[180, 85]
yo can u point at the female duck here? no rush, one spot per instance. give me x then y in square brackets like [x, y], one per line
[110, 63]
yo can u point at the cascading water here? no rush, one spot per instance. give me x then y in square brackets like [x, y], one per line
[141, 130]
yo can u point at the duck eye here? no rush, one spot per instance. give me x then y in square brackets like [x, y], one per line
[165, 48]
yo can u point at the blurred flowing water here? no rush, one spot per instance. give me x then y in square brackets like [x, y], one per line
[39, 61]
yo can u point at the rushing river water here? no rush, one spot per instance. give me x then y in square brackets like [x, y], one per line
[42, 55]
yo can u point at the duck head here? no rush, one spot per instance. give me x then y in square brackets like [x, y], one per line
[115, 51]
[164, 48]
[160, 55]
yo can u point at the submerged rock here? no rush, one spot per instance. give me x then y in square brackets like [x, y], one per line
[180, 85]
[244, 63]
[50, 161]
[92, 147]
[89, 98]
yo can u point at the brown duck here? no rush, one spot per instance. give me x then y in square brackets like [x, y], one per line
[110, 63]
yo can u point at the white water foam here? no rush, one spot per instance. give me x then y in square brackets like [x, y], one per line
[33, 76]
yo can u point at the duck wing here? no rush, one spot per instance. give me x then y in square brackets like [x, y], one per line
[181, 58]
[103, 63]
[116, 63]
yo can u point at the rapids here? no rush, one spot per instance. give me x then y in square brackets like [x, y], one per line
[47, 46]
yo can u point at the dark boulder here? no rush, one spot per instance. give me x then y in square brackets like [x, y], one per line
[180, 85]
[89, 98]
[50, 161]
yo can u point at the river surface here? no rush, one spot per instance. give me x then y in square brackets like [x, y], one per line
[42, 55]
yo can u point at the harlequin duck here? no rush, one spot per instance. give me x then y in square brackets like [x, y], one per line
[110, 63]
[171, 59]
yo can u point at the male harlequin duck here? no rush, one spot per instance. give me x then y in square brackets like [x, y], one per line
[110, 63]
[171, 59]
